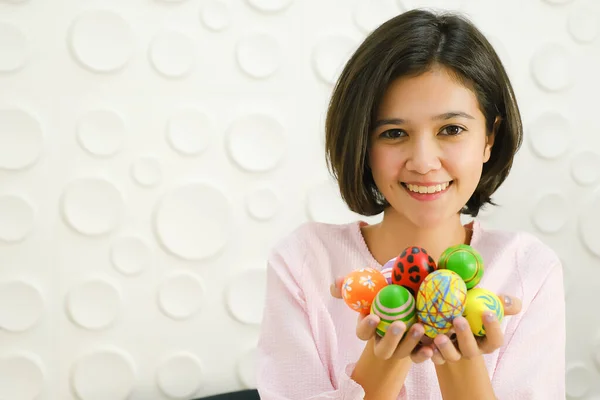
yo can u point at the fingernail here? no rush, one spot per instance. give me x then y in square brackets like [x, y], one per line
[507, 301]
[442, 340]
[396, 330]
[460, 325]
[489, 317]
[416, 333]
[372, 322]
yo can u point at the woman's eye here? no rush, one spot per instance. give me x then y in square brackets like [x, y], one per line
[453, 130]
[393, 134]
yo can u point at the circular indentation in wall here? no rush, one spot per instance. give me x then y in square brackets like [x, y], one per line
[585, 167]
[94, 304]
[130, 255]
[550, 135]
[21, 376]
[246, 369]
[103, 374]
[101, 132]
[270, 6]
[369, 14]
[579, 380]
[101, 41]
[181, 295]
[256, 142]
[583, 24]
[194, 221]
[324, 204]
[548, 214]
[17, 216]
[551, 67]
[189, 132]
[21, 139]
[215, 15]
[258, 55]
[330, 55]
[589, 225]
[172, 54]
[147, 171]
[180, 376]
[246, 296]
[21, 306]
[14, 44]
[92, 206]
[262, 203]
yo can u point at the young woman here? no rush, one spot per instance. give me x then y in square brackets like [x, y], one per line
[422, 126]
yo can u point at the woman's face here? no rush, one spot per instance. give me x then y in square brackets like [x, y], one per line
[428, 147]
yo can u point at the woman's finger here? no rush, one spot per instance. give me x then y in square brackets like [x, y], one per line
[494, 339]
[365, 328]
[512, 305]
[421, 355]
[336, 288]
[437, 357]
[410, 341]
[387, 345]
[446, 348]
[466, 343]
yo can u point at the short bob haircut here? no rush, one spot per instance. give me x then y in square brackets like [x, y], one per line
[408, 45]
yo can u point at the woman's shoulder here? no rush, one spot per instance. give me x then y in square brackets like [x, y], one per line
[318, 250]
[313, 235]
[526, 252]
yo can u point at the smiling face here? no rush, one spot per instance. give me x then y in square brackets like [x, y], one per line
[428, 147]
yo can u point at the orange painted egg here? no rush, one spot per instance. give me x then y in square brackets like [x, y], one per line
[360, 287]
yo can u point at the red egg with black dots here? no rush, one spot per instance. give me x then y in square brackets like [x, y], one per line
[411, 267]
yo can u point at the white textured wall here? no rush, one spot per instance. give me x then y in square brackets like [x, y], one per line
[151, 152]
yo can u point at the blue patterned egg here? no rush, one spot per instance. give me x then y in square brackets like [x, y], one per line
[442, 297]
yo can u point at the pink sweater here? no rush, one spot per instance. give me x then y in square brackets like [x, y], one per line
[308, 345]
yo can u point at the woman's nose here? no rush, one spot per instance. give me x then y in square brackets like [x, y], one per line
[424, 156]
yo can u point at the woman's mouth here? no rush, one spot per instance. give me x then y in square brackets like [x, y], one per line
[426, 191]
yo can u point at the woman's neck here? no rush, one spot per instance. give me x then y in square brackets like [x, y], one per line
[394, 233]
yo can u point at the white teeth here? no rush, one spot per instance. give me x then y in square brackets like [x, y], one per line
[428, 189]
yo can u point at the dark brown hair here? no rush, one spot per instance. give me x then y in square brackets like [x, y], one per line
[408, 45]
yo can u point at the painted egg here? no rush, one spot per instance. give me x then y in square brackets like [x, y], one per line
[480, 301]
[360, 287]
[441, 298]
[387, 273]
[390, 263]
[411, 267]
[394, 303]
[465, 261]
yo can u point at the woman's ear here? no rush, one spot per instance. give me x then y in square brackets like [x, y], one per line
[489, 140]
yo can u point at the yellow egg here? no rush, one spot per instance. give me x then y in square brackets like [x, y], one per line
[480, 301]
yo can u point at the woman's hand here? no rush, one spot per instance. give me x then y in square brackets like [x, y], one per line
[466, 345]
[393, 344]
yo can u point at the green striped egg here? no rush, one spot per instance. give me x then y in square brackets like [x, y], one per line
[465, 261]
[394, 303]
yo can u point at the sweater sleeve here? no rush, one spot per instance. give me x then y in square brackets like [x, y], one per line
[532, 367]
[289, 365]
